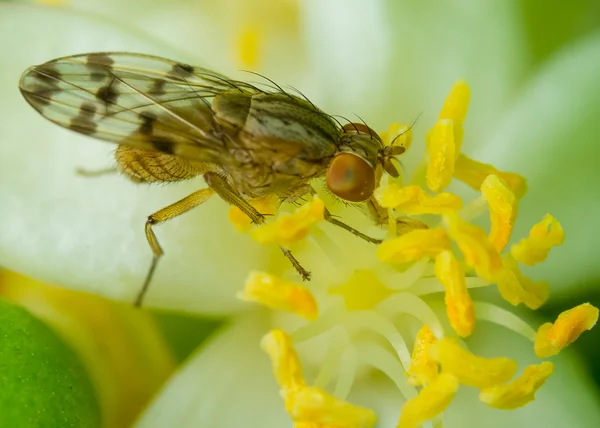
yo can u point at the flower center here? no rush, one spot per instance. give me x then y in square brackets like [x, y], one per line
[380, 315]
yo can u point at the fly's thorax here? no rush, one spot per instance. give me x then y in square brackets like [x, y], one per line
[231, 109]
[293, 122]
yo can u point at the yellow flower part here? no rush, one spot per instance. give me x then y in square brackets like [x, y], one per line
[520, 391]
[318, 425]
[478, 251]
[414, 200]
[456, 104]
[542, 237]
[242, 222]
[442, 151]
[431, 401]
[353, 291]
[249, 43]
[290, 228]
[516, 288]
[414, 246]
[503, 207]
[399, 134]
[315, 405]
[422, 368]
[258, 27]
[444, 140]
[552, 338]
[472, 173]
[57, 3]
[279, 294]
[307, 404]
[470, 369]
[459, 305]
[286, 365]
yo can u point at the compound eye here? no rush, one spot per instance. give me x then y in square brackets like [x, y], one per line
[351, 178]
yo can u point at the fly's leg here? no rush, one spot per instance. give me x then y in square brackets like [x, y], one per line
[403, 224]
[160, 216]
[331, 219]
[96, 172]
[229, 195]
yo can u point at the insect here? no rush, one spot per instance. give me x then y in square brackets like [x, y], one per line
[173, 121]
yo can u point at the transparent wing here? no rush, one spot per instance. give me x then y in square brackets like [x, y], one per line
[137, 100]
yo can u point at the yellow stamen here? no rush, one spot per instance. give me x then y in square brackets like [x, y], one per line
[318, 425]
[414, 246]
[542, 237]
[503, 209]
[422, 368]
[286, 365]
[279, 294]
[459, 305]
[456, 104]
[478, 251]
[431, 401]
[57, 3]
[520, 391]
[552, 338]
[442, 150]
[470, 369]
[473, 173]
[516, 288]
[401, 133]
[455, 109]
[414, 200]
[290, 228]
[242, 222]
[248, 47]
[309, 404]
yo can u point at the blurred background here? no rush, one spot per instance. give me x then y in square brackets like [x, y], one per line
[387, 60]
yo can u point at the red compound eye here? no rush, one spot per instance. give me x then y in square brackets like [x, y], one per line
[351, 178]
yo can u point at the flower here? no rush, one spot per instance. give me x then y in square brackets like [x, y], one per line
[32, 253]
[359, 318]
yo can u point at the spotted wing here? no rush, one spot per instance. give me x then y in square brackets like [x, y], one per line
[136, 100]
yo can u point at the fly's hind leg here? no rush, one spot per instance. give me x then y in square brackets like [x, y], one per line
[160, 216]
[228, 194]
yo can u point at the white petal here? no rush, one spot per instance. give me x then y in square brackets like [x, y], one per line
[228, 383]
[390, 61]
[550, 135]
[88, 233]
[552, 408]
[568, 398]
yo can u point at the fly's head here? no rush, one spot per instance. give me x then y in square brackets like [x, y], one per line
[351, 175]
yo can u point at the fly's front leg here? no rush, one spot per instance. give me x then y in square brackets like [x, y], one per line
[402, 225]
[167, 213]
[227, 193]
[331, 219]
